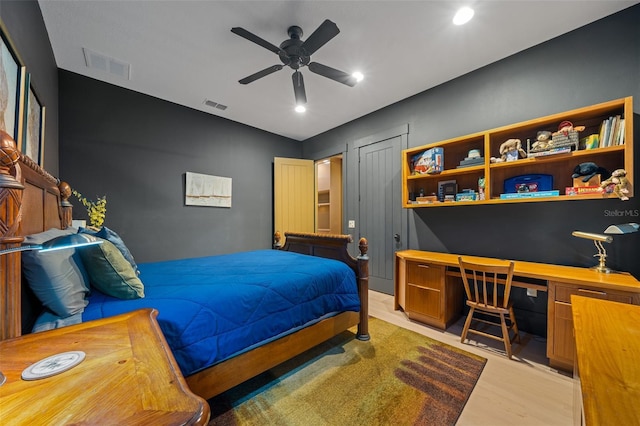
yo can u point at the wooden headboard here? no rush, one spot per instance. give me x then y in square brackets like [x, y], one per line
[30, 202]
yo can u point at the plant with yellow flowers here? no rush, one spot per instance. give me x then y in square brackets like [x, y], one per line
[96, 210]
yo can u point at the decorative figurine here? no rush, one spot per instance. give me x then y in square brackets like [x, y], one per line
[621, 184]
[509, 151]
[543, 141]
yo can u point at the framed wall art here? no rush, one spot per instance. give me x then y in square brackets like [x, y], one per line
[207, 190]
[33, 140]
[12, 88]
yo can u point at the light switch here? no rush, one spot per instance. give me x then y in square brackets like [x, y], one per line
[352, 224]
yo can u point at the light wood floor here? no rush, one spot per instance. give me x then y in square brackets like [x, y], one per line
[522, 391]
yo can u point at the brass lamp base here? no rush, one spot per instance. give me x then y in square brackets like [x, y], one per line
[603, 269]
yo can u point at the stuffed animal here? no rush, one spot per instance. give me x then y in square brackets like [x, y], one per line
[510, 149]
[589, 170]
[620, 184]
[566, 126]
[543, 141]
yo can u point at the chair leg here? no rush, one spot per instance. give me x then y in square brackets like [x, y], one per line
[512, 315]
[505, 335]
[467, 323]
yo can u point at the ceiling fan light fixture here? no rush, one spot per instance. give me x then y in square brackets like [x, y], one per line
[296, 54]
[358, 76]
[300, 108]
[463, 15]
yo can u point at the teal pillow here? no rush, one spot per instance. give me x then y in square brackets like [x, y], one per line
[57, 278]
[110, 272]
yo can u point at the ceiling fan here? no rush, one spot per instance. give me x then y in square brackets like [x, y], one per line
[296, 54]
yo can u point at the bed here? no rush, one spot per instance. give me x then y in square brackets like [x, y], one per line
[42, 204]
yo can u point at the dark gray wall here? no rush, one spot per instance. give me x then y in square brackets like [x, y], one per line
[23, 21]
[593, 64]
[136, 149]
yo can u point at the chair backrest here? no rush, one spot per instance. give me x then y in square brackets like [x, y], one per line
[481, 282]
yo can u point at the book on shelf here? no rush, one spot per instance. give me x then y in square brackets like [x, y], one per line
[607, 131]
[620, 138]
[612, 131]
[602, 132]
[615, 129]
[591, 141]
[535, 194]
[552, 151]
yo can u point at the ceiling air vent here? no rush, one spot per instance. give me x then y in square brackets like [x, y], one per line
[106, 64]
[213, 104]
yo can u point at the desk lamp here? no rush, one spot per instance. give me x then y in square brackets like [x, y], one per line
[58, 243]
[598, 239]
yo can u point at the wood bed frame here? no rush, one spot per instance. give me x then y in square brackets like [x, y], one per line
[32, 201]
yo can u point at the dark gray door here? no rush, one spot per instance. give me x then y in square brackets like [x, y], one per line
[382, 220]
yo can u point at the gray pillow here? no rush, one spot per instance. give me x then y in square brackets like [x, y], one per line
[110, 272]
[49, 321]
[57, 278]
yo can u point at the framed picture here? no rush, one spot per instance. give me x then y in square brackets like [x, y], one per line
[206, 190]
[12, 89]
[33, 140]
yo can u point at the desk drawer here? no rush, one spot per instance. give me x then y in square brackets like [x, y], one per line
[560, 341]
[425, 275]
[563, 294]
[424, 301]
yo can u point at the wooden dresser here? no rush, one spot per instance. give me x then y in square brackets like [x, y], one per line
[128, 377]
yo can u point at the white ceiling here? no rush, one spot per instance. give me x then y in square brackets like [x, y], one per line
[184, 52]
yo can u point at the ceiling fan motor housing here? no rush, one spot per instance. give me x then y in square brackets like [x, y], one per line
[292, 54]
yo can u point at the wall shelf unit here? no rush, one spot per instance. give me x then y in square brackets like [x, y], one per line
[329, 196]
[559, 166]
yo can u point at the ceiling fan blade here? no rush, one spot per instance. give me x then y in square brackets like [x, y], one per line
[260, 74]
[332, 73]
[257, 40]
[298, 88]
[325, 32]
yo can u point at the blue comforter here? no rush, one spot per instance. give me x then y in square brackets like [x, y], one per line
[213, 308]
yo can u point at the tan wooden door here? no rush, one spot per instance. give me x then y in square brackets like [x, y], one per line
[294, 190]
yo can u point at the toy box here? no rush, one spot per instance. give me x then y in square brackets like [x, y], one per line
[581, 190]
[427, 162]
[594, 181]
[528, 183]
[466, 196]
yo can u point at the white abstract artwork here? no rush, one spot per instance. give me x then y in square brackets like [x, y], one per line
[207, 190]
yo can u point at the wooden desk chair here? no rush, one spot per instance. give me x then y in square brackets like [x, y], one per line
[481, 285]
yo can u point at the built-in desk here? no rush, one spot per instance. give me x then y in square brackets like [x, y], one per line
[607, 342]
[429, 289]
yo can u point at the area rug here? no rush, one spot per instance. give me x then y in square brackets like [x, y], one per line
[397, 378]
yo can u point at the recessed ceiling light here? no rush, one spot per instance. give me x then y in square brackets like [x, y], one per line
[463, 15]
[358, 76]
[300, 108]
